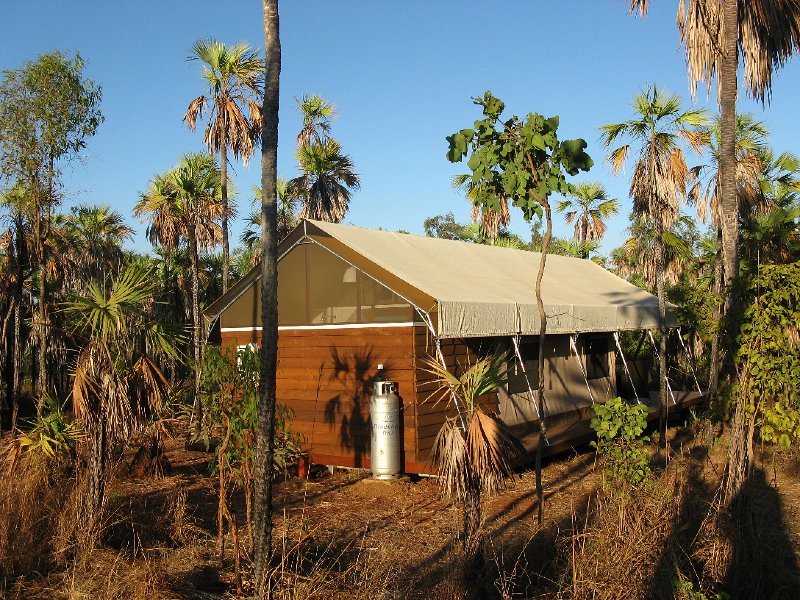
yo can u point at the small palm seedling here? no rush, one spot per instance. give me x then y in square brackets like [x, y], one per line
[474, 452]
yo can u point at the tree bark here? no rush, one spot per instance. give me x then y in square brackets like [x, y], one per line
[714, 362]
[739, 456]
[226, 260]
[727, 156]
[662, 327]
[197, 410]
[548, 236]
[265, 439]
[472, 527]
[95, 486]
[41, 379]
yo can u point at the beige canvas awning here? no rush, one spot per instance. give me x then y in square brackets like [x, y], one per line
[473, 290]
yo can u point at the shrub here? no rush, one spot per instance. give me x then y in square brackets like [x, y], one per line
[619, 427]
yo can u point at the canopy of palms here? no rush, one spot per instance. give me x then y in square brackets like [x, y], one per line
[96, 234]
[235, 76]
[587, 207]
[659, 180]
[492, 221]
[326, 183]
[184, 206]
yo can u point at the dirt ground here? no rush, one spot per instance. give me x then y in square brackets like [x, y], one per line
[343, 531]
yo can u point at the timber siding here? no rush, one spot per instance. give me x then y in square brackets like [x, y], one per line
[325, 377]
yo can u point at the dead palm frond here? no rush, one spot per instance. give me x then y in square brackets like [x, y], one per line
[234, 75]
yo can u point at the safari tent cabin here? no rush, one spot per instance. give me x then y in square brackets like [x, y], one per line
[351, 299]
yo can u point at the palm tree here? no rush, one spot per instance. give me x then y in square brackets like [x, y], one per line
[234, 75]
[477, 457]
[587, 206]
[658, 183]
[117, 385]
[287, 218]
[317, 115]
[713, 31]
[492, 221]
[96, 234]
[265, 438]
[326, 183]
[184, 205]
[636, 259]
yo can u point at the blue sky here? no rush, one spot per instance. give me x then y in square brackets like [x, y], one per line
[400, 73]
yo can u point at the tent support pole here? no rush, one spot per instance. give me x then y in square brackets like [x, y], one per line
[655, 349]
[573, 339]
[625, 364]
[691, 362]
[515, 341]
[429, 323]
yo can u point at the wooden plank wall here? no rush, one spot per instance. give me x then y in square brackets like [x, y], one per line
[325, 376]
[432, 407]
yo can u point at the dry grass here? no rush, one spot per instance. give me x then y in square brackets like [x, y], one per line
[31, 499]
[341, 538]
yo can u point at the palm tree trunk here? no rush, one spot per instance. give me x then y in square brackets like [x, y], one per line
[741, 434]
[197, 410]
[265, 439]
[223, 167]
[95, 485]
[727, 157]
[662, 326]
[714, 363]
[472, 539]
[548, 236]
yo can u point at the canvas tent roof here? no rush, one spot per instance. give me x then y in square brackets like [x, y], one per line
[472, 290]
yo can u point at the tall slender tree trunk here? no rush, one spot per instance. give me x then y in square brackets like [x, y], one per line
[739, 454]
[727, 150]
[548, 236]
[197, 410]
[41, 386]
[226, 259]
[265, 438]
[95, 486]
[714, 362]
[15, 376]
[662, 326]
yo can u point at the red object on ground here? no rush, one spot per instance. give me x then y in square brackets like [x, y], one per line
[302, 466]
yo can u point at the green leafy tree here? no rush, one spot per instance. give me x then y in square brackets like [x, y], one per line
[447, 228]
[47, 112]
[520, 161]
[234, 75]
[768, 362]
